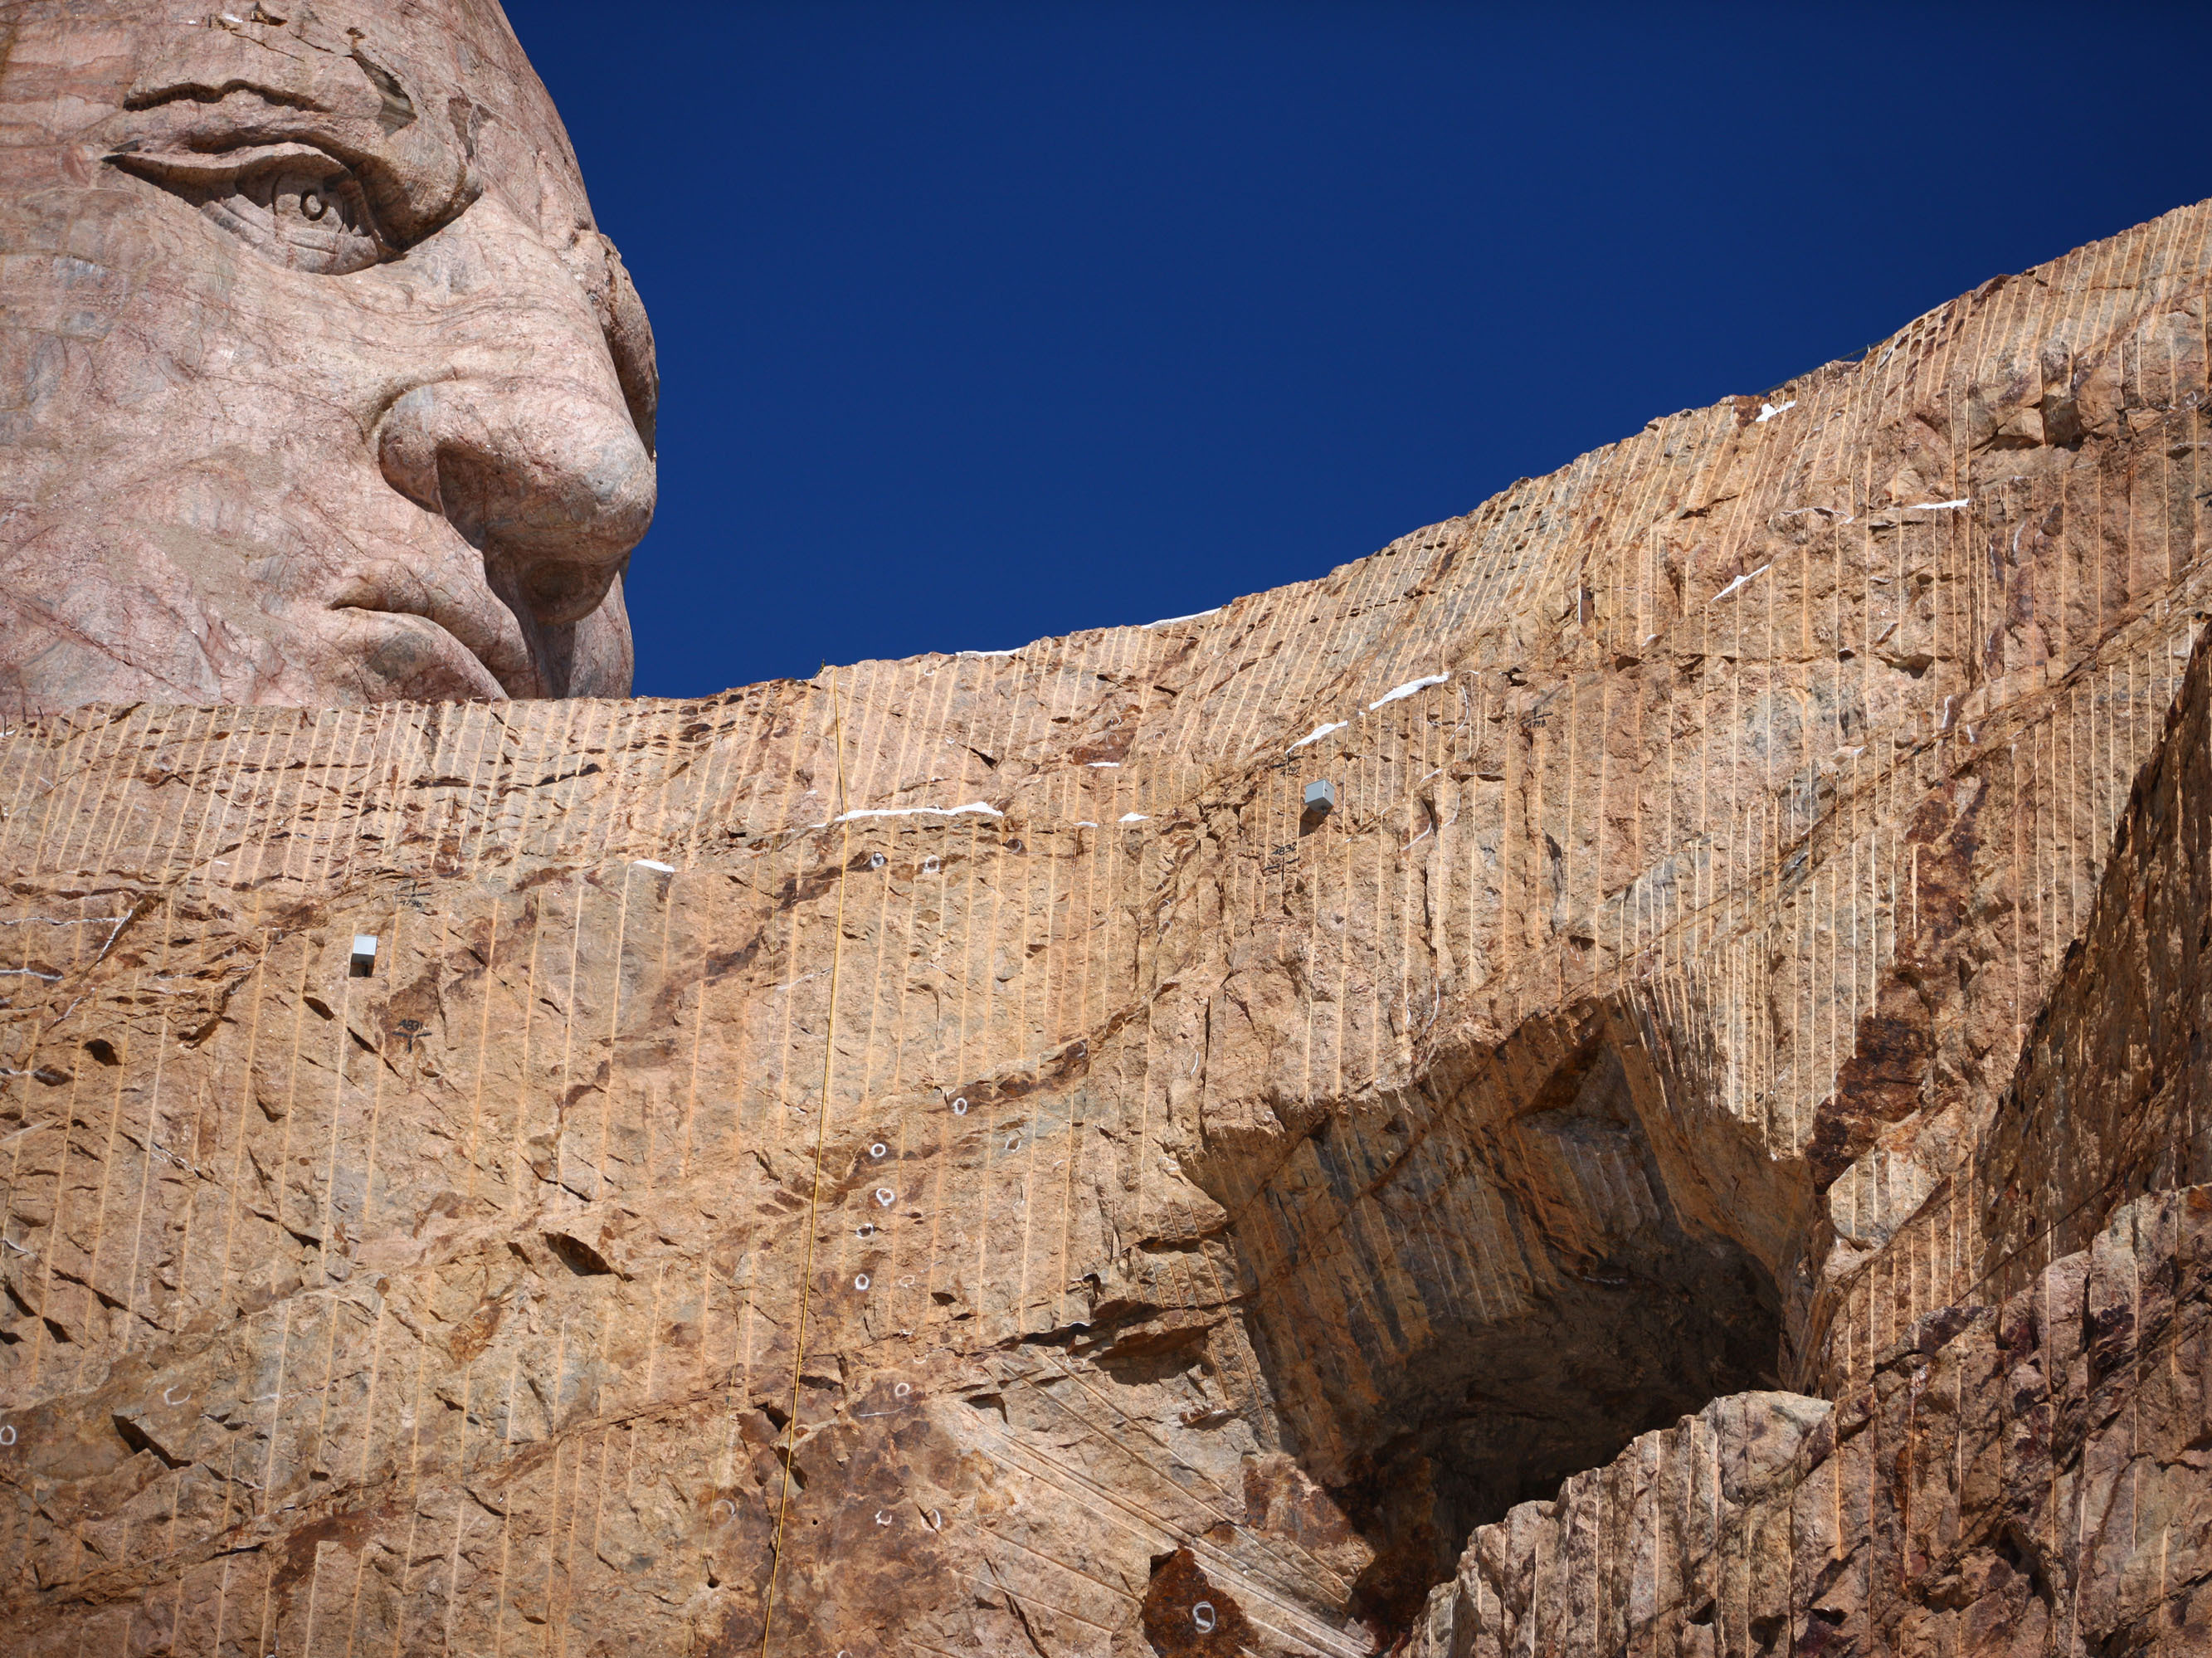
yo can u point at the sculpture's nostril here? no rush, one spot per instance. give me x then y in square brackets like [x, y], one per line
[552, 483]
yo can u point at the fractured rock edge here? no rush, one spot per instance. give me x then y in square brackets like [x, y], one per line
[1763, 904]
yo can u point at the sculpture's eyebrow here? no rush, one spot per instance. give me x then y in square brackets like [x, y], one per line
[279, 70]
[204, 92]
[207, 64]
[217, 89]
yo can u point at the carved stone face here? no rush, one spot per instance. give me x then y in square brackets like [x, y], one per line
[317, 383]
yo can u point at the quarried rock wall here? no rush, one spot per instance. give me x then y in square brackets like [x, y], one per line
[953, 1157]
[2026, 1475]
[2027, 1471]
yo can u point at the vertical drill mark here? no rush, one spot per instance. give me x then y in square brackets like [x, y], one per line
[814, 1194]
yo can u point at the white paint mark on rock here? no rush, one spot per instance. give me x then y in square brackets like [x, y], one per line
[1408, 689]
[986, 809]
[1730, 590]
[1316, 734]
[1170, 620]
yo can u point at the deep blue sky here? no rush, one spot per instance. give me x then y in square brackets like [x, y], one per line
[982, 322]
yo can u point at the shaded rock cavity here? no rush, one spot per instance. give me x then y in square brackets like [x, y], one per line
[1525, 1296]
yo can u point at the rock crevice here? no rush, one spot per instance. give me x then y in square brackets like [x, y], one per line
[1697, 1151]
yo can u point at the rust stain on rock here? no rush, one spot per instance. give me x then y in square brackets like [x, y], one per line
[1703, 1151]
[1187, 1615]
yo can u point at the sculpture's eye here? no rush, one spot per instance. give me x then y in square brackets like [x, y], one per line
[291, 204]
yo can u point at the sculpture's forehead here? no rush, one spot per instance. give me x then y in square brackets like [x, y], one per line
[442, 85]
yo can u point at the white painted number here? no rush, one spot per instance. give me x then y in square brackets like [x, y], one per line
[885, 1196]
[878, 1149]
[1202, 1615]
[7, 1434]
[861, 1282]
[959, 1107]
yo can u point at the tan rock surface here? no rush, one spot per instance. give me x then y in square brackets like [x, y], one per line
[317, 383]
[2029, 1470]
[2024, 1476]
[952, 1157]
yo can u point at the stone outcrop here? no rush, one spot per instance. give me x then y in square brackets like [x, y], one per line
[956, 1156]
[2028, 1469]
[2025, 1475]
[317, 383]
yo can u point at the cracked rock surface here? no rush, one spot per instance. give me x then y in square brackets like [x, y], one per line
[955, 1157]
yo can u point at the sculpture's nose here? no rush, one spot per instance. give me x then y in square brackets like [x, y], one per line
[553, 484]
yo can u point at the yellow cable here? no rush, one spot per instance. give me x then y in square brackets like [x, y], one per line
[814, 1199]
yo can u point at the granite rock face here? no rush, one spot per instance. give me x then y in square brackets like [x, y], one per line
[955, 1157]
[2027, 1470]
[2025, 1474]
[317, 383]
